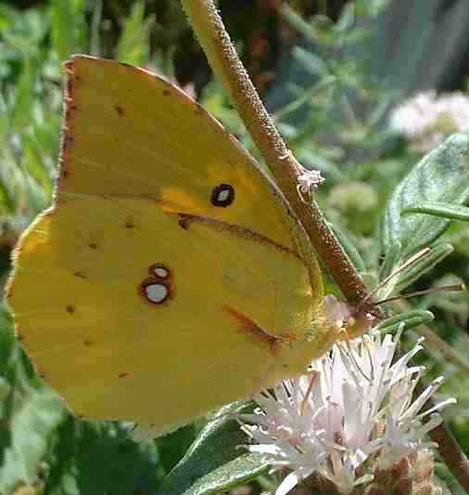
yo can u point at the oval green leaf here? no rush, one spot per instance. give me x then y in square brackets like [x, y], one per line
[441, 176]
[217, 460]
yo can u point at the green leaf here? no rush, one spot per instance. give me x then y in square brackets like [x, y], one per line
[443, 474]
[133, 44]
[409, 320]
[391, 259]
[349, 248]
[34, 416]
[442, 210]
[33, 164]
[312, 63]
[216, 460]
[173, 446]
[24, 96]
[99, 457]
[62, 28]
[424, 265]
[441, 176]
[297, 22]
[7, 204]
[68, 27]
[29, 413]
[240, 470]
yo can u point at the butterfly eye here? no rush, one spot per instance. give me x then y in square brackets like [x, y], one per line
[222, 195]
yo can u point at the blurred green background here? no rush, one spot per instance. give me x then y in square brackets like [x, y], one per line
[330, 72]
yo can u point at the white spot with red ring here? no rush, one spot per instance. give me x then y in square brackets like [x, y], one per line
[161, 272]
[156, 293]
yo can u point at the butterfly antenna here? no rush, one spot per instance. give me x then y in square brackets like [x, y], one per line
[411, 261]
[433, 290]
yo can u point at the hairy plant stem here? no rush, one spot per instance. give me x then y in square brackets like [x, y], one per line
[285, 169]
[450, 449]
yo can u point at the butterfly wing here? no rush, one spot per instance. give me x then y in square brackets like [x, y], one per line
[141, 295]
[131, 133]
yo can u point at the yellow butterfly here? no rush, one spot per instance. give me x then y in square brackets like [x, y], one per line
[166, 279]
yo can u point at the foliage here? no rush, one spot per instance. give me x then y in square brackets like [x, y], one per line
[333, 111]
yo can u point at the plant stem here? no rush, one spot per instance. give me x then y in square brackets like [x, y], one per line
[285, 169]
[450, 450]
[448, 447]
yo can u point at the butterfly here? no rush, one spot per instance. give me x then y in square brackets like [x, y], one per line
[167, 278]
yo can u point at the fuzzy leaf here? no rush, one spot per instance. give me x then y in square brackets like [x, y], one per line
[216, 460]
[240, 470]
[441, 176]
[97, 458]
[29, 413]
[442, 210]
[424, 265]
[172, 447]
[410, 319]
[33, 420]
[391, 259]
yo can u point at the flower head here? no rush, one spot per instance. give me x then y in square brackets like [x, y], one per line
[351, 416]
[426, 119]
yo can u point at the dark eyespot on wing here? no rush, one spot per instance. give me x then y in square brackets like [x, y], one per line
[223, 195]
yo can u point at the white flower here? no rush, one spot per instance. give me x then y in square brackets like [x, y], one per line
[354, 409]
[426, 119]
